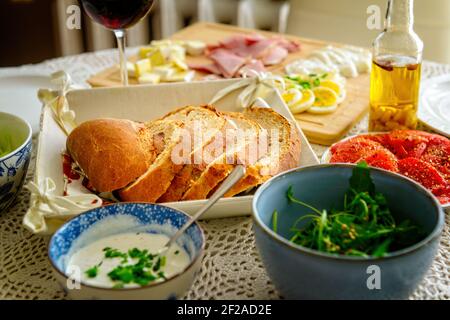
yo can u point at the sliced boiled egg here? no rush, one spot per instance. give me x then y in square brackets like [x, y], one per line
[292, 96]
[325, 101]
[336, 87]
[304, 103]
[322, 110]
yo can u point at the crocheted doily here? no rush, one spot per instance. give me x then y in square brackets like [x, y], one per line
[231, 268]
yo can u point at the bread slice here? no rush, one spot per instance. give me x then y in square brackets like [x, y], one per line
[278, 157]
[112, 153]
[202, 125]
[239, 138]
[166, 134]
[205, 120]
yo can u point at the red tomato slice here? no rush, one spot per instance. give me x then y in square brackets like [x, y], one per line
[383, 159]
[407, 143]
[443, 194]
[422, 172]
[380, 138]
[438, 155]
[353, 150]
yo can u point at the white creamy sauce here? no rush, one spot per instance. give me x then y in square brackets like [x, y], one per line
[91, 255]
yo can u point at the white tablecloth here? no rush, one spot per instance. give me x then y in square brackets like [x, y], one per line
[231, 268]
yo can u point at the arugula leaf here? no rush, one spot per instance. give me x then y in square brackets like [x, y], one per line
[360, 180]
[382, 249]
[275, 221]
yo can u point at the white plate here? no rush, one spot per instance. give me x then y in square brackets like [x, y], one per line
[434, 109]
[327, 156]
[18, 96]
[145, 103]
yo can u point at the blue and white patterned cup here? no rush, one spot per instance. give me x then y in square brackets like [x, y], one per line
[16, 133]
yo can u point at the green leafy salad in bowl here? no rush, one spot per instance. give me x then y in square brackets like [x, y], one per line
[364, 226]
[326, 231]
[6, 144]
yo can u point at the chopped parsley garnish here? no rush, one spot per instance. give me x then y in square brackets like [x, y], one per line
[114, 253]
[316, 82]
[305, 84]
[136, 266]
[92, 272]
[364, 227]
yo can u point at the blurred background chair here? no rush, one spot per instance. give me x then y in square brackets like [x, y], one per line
[35, 30]
[263, 14]
[45, 35]
[345, 21]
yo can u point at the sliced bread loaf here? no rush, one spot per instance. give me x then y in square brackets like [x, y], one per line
[166, 135]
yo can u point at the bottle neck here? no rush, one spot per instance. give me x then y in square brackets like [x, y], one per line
[400, 16]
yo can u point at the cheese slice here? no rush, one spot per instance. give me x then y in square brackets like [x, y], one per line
[142, 67]
[185, 76]
[149, 78]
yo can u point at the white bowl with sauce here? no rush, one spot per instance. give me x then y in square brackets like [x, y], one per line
[100, 253]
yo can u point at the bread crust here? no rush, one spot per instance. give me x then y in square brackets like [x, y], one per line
[153, 185]
[111, 152]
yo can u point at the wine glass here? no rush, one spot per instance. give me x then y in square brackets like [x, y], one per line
[118, 15]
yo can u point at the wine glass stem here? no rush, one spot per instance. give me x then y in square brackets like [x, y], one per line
[121, 43]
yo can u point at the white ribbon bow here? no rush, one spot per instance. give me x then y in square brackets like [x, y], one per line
[56, 100]
[45, 204]
[252, 86]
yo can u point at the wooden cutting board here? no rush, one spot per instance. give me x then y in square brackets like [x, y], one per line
[321, 129]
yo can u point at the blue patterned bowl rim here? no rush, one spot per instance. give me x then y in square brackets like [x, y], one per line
[434, 234]
[194, 259]
[25, 143]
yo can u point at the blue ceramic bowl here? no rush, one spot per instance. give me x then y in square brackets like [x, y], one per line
[125, 218]
[14, 165]
[301, 273]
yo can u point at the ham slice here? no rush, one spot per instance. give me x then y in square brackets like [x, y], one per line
[227, 61]
[206, 68]
[238, 55]
[252, 65]
[275, 56]
[290, 46]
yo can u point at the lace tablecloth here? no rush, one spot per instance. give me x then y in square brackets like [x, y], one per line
[231, 268]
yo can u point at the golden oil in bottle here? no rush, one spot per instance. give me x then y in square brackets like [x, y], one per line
[394, 93]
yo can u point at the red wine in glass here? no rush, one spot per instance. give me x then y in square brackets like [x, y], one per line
[118, 15]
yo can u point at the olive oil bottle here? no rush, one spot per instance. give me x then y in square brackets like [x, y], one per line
[396, 71]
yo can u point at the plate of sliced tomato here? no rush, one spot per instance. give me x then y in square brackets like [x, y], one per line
[421, 156]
